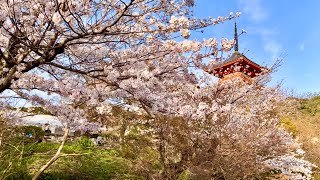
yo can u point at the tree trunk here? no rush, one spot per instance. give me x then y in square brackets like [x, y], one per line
[54, 158]
[123, 128]
[162, 149]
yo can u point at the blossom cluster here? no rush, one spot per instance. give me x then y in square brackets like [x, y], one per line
[291, 166]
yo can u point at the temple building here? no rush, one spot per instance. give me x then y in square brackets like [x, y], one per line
[238, 65]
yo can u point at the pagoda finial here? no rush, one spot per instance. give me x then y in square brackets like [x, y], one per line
[236, 46]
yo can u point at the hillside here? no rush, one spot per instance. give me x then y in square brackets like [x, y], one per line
[304, 123]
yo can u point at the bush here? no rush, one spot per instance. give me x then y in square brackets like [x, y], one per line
[33, 133]
[288, 125]
[185, 175]
[19, 174]
[85, 142]
[310, 106]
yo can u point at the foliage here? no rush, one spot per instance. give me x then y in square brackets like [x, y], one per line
[85, 142]
[287, 123]
[310, 106]
[97, 164]
[12, 149]
[32, 133]
[185, 175]
[34, 110]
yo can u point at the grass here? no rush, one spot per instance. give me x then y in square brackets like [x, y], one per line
[97, 164]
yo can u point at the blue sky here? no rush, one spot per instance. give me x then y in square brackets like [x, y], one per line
[286, 28]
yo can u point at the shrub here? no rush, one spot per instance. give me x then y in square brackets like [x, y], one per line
[33, 133]
[288, 125]
[85, 142]
[185, 175]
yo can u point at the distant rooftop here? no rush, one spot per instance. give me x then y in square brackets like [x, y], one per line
[41, 119]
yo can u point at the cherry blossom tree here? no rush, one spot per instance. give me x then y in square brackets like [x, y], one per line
[230, 130]
[77, 49]
[63, 54]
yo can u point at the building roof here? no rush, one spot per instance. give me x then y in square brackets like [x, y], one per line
[236, 62]
[233, 58]
[41, 119]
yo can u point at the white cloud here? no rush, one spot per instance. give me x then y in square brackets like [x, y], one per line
[254, 9]
[265, 32]
[301, 46]
[273, 47]
[308, 75]
[257, 13]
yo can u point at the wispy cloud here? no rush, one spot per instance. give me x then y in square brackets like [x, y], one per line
[273, 47]
[270, 44]
[254, 9]
[301, 46]
[264, 32]
[308, 75]
[258, 14]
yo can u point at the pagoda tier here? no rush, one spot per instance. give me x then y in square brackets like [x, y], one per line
[238, 66]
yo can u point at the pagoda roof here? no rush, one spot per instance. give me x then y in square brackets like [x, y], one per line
[235, 57]
[237, 62]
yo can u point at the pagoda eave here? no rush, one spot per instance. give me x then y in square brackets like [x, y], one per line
[240, 64]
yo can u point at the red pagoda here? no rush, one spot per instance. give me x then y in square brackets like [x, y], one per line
[238, 65]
